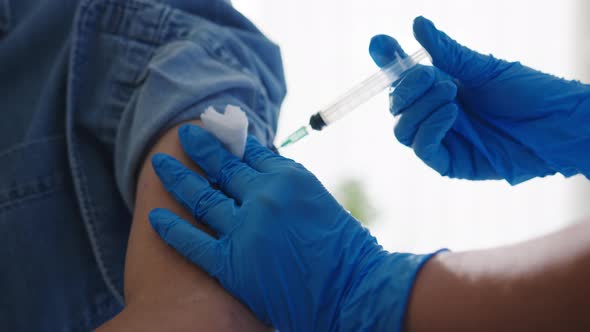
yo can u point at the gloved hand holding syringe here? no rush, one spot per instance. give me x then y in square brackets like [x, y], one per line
[358, 95]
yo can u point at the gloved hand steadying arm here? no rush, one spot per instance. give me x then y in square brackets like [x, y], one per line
[473, 116]
[285, 247]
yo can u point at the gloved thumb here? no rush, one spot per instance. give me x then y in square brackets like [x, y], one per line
[451, 57]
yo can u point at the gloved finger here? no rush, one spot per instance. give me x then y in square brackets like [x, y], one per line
[194, 244]
[223, 168]
[196, 194]
[260, 157]
[428, 141]
[415, 84]
[411, 120]
[451, 57]
[383, 48]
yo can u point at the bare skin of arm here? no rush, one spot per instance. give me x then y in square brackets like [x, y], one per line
[163, 291]
[539, 285]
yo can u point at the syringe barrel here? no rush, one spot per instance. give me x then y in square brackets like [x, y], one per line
[370, 87]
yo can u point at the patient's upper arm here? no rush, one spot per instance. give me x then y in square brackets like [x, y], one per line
[211, 66]
[156, 275]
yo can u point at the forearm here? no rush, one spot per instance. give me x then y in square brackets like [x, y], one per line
[162, 289]
[540, 285]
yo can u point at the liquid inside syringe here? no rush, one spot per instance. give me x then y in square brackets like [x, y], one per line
[358, 95]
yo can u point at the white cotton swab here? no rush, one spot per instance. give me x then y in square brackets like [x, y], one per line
[230, 127]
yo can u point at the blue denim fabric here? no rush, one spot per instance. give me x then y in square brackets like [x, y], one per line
[85, 89]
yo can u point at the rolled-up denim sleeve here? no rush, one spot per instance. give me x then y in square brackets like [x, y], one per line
[211, 66]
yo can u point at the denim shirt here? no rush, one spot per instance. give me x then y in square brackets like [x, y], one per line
[86, 86]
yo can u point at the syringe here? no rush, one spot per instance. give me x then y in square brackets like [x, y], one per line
[358, 95]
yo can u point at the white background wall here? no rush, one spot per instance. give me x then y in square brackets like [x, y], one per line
[325, 44]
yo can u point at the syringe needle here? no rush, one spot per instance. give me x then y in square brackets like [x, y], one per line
[296, 136]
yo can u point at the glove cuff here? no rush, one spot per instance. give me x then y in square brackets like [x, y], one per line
[379, 298]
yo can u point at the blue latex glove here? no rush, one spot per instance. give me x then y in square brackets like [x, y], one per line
[473, 116]
[285, 247]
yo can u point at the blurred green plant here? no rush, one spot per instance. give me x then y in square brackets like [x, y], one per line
[351, 194]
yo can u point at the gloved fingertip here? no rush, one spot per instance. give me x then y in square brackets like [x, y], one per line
[421, 75]
[252, 143]
[447, 115]
[448, 88]
[425, 33]
[158, 159]
[157, 218]
[446, 53]
[401, 136]
[383, 48]
[252, 140]
[162, 164]
[168, 169]
[422, 21]
[184, 129]
[189, 130]
[413, 85]
[396, 103]
[193, 138]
